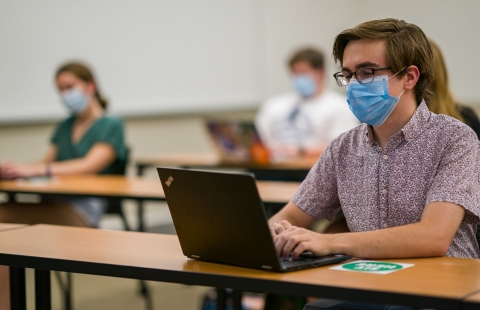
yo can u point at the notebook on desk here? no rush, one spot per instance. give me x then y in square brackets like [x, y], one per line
[220, 218]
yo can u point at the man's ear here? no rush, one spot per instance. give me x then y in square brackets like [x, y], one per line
[412, 74]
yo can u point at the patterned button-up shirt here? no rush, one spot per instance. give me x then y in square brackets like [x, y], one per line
[432, 158]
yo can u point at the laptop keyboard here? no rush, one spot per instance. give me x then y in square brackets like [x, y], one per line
[288, 261]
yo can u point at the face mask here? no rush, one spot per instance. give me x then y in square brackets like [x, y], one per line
[305, 85]
[75, 100]
[371, 103]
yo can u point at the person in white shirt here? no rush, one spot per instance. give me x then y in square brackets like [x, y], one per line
[305, 121]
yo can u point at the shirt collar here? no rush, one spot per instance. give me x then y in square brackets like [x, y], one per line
[419, 118]
[416, 123]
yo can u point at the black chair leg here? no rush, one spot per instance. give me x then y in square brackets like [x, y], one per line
[66, 289]
[125, 223]
[145, 291]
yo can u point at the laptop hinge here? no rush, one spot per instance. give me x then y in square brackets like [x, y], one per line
[267, 267]
[195, 256]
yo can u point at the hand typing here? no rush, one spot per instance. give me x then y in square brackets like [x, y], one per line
[292, 240]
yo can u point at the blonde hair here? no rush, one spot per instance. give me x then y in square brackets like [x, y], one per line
[406, 45]
[442, 101]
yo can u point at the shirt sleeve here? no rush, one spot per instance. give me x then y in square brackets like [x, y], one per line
[457, 179]
[318, 194]
[113, 134]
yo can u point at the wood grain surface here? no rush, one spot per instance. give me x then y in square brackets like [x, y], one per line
[447, 279]
[128, 187]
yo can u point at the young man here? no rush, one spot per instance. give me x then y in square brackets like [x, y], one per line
[407, 180]
[305, 121]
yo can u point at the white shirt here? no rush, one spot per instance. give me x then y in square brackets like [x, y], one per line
[288, 120]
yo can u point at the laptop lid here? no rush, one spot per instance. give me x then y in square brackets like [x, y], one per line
[219, 217]
[237, 141]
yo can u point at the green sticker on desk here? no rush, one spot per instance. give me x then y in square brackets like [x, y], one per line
[367, 266]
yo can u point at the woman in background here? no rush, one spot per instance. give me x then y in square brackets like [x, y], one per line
[87, 142]
[442, 101]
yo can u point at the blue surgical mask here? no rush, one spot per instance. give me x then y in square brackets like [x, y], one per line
[371, 103]
[305, 85]
[75, 100]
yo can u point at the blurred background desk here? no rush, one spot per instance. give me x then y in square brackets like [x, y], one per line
[274, 194]
[294, 169]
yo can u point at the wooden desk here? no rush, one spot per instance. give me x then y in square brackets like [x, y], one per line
[8, 226]
[128, 188]
[276, 194]
[295, 169]
[472, 302]
[441, 283]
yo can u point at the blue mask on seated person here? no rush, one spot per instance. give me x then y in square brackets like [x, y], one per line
[75, 100]
[304, 85]
[371, 103]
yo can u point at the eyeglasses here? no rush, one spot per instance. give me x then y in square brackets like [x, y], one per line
[363, 76]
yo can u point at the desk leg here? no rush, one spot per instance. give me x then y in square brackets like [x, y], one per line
[221, 298]
[18, 299]
[237, 300]
[141, 223]
[43, 295]
[140, 169]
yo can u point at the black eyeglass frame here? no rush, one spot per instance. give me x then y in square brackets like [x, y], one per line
[335, 75]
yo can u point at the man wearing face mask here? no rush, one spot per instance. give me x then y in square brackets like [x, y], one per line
[407, 180]
[303, 122]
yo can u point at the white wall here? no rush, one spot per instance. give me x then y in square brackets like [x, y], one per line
[283, 26]
[151, 57]
[454, 25]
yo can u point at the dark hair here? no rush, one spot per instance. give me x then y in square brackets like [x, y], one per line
[82, 72]
[310, 55]
[406, 45]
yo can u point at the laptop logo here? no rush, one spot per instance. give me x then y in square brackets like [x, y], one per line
[169, 181]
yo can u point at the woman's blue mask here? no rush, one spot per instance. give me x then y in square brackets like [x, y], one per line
[371, 103]
[75, 100]
[305, 85]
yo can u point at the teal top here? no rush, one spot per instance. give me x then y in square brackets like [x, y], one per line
[106, 129]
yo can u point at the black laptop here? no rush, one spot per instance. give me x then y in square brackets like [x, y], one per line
[219, 217]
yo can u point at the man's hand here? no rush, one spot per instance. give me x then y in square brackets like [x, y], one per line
[295, 240]
[278, 228]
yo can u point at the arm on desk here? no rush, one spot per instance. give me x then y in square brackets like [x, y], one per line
[431, 236]
[98, 158]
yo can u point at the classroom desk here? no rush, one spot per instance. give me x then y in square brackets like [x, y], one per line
[472, 302]
[295, 169]
[441, 283]
[17, 280]
[8, 226]
[141, 189]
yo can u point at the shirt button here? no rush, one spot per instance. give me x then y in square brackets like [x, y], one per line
[384, 191]
[385, 156]
[385, 225]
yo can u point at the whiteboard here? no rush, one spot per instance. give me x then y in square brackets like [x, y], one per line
[149, 57]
